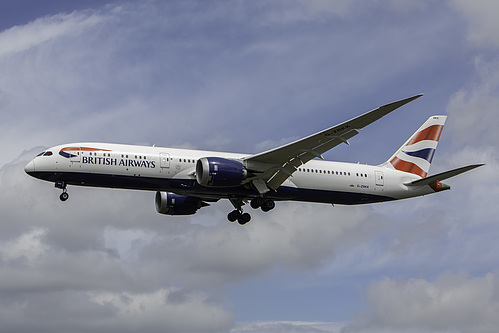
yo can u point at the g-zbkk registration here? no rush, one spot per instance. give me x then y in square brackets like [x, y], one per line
[187, 180]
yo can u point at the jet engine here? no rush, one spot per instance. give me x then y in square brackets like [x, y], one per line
[174, 204]
[220, 172]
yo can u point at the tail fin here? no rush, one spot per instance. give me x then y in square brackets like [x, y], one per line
[416, 154]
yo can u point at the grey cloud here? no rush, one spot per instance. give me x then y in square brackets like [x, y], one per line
[173, 75]
[481, 19]
[67, 250]
[451, 303]
[473, 108]
[288, 326]
[99, 249]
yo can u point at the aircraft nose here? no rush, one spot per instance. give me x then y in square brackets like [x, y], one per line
[30, 167]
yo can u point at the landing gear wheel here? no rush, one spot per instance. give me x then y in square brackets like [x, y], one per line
[268, 205]
[233, 216]
[64, 196]
[238, 214]
[257, 203]
[244, 218]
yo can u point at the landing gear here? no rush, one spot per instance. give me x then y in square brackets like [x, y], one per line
[64, 196]
[265, 204]
[243, 218]
[240, 217]
[63, 186]
[238, 214]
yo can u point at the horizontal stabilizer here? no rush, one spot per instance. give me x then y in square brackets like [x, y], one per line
[442, 176]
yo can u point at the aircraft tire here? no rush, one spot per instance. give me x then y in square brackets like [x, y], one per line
[257, 203]
[268, 205]
[244, 218]
[64, 196]
[233, 216]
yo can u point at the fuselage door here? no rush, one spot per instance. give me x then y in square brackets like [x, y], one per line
[379, 178]
[164, 160]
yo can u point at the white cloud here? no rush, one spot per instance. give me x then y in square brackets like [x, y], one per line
[288, 327]
[28, 245]
[473, 109]
[482, 20]
[172, 73]
[451, 303]
[22, 38]
[164, 310]
[116, 260]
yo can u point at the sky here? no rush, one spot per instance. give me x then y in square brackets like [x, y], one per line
[247, 76]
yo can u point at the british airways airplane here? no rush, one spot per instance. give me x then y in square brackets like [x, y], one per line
[187, 180]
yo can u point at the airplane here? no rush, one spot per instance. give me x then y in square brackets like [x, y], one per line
[186, 180]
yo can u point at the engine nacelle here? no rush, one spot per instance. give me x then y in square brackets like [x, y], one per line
[173, 204]
[219, 172]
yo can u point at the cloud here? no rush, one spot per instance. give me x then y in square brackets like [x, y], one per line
[22, 38]
[451, 303]
[473, 108]
[288, 327]
[125, 268]
[216, 77]
[482, 21]
[57, 254]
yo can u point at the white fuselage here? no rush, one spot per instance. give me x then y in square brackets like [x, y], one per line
[173, 170]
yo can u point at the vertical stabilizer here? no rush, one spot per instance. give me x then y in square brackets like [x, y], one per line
[416, 154]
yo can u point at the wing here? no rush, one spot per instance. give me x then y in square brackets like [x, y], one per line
[273, 167]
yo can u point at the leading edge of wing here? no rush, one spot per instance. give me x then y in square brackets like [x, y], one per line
[317, 143]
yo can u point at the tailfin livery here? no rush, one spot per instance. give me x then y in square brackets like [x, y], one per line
[416, 154]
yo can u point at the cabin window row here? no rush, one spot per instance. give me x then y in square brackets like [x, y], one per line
[329, 172]
[137, 157]
[188, 160]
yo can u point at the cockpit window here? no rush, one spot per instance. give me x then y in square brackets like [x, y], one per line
[45, 153]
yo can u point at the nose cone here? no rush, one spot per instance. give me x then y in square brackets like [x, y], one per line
[30, 167]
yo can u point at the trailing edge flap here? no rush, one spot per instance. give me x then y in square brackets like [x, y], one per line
[442, 176]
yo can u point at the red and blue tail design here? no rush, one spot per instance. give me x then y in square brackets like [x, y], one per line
[416, 154]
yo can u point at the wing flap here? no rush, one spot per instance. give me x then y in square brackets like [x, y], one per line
[290, 167]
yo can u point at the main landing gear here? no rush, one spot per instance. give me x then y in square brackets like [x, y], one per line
[243, 218]
[63, 186]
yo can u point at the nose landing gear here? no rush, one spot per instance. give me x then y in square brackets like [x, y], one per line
[64, 196]
[63, 186]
